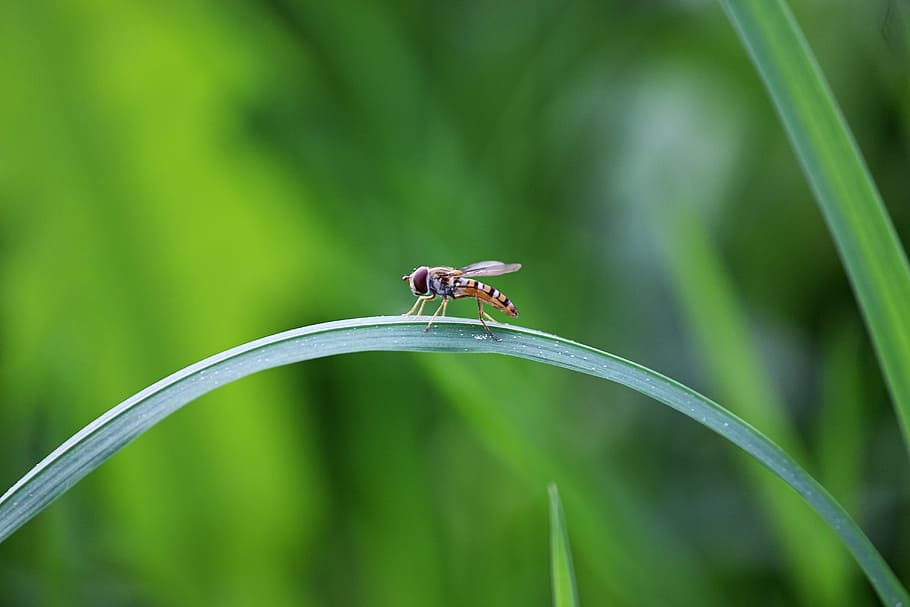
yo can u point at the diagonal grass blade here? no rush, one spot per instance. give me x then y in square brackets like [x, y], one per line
[866, 239]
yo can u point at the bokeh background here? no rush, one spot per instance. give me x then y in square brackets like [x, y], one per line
[180, 177]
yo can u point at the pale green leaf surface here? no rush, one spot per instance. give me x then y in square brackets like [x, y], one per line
[103, 437]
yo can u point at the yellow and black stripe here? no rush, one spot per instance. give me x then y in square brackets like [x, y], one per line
[468, 287]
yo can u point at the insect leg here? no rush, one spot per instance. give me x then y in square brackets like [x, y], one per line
[421, 301]
[445, 302]
[425, 298]
[488, 317]
[480, 314]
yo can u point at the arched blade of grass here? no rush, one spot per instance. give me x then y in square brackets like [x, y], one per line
[565, 594]
[103, 437]
[853, 209]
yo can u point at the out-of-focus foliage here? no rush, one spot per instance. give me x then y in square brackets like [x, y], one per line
[176, 178]
[866, 240]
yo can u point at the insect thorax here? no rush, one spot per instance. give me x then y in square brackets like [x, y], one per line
[442, 286]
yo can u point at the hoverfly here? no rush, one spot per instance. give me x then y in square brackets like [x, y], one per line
[446, 282]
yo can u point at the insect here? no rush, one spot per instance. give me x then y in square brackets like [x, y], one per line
[428, 282]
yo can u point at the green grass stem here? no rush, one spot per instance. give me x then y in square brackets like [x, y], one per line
[565, 593]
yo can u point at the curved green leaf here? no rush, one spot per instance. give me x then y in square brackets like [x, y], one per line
[103, 437]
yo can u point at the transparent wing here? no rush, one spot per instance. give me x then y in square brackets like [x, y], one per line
[489, 268]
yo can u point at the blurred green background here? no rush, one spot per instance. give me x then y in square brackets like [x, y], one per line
[180, 177]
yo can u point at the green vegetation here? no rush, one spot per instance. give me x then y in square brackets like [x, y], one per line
[868, 245]
[102, 438]
[179, 179]
[562, 573]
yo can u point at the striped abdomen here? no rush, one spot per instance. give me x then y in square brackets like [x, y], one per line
[468, 287]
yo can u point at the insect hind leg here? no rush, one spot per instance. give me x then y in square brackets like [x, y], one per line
[480, 315]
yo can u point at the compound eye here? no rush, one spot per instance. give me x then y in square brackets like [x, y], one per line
[419, 280]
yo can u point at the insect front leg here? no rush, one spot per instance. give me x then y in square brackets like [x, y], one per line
[421, 301]
[442, 306]
[424, 302]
